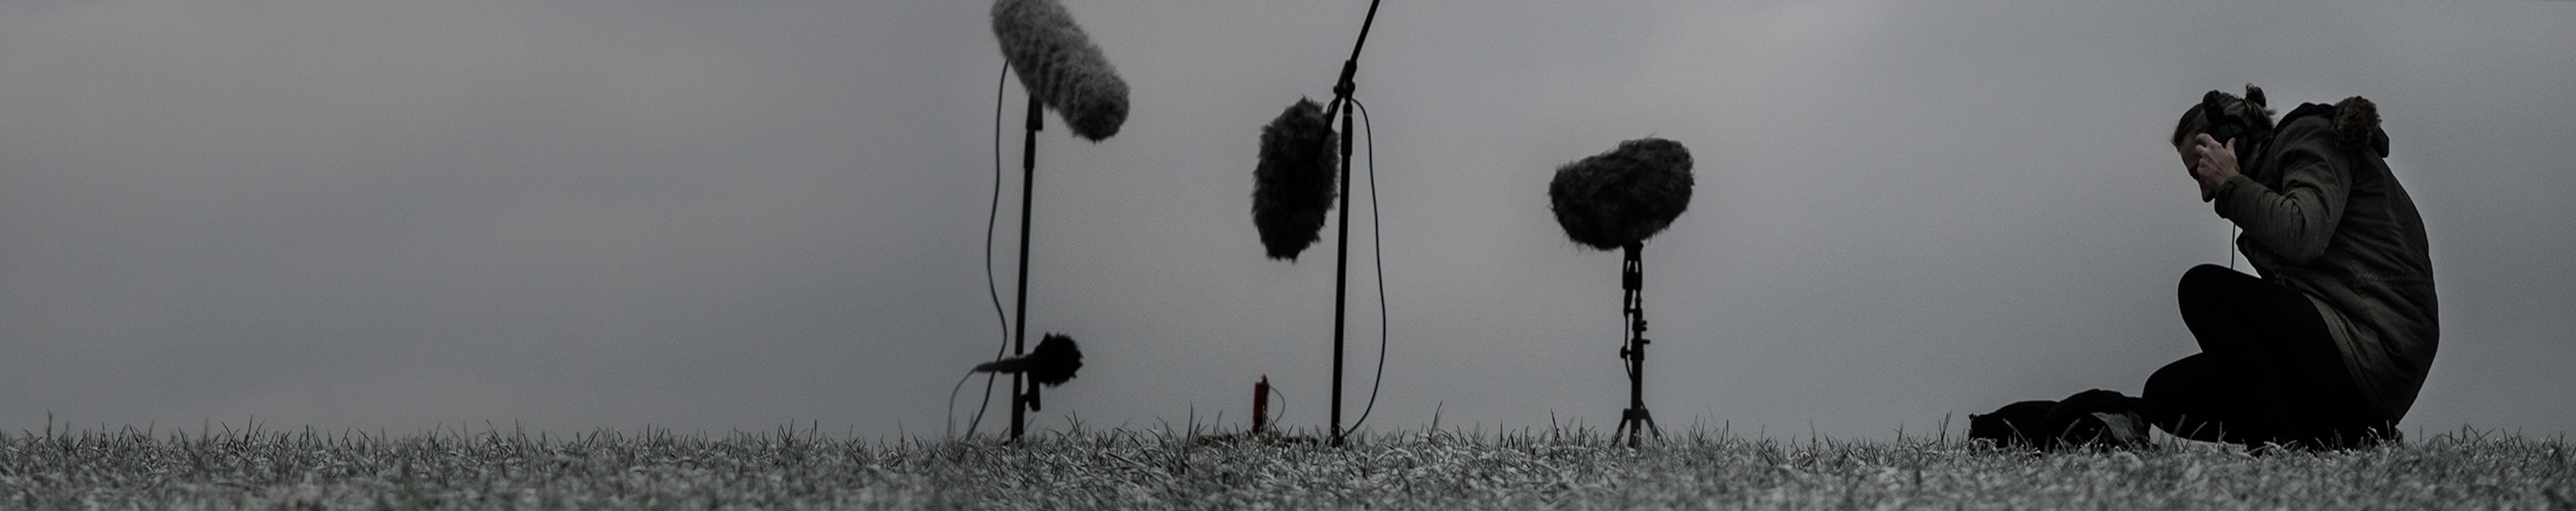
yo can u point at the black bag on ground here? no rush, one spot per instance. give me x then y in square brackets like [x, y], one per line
[2090, 418]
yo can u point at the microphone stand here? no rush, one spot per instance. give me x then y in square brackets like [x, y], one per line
[1342, 256]
[1024, 394]
[1632, 276]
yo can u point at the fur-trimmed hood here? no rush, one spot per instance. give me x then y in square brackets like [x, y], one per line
[2355, 120]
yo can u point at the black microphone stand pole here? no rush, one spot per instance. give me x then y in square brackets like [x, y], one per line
[1023, 399]
[1342, 257]
[1632, 276]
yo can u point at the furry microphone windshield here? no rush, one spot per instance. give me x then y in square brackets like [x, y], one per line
[1623, 196]
[1293, 186]
[1060, 67]
[1052, 363]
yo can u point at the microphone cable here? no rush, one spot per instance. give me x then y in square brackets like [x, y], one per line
[1283, 405]
[950, 430]
[1624, 367]
[992, 290]
[1377, 249]
[1626, 303]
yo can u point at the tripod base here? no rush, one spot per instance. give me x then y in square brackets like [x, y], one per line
[1635, 422]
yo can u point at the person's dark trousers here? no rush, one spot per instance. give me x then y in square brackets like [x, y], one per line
[2267, 370]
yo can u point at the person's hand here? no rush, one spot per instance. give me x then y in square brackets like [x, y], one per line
[2217, 164]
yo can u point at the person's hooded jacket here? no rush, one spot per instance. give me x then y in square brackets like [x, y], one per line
[2323, 214]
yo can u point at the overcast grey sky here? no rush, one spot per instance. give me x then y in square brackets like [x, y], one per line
[712, 215]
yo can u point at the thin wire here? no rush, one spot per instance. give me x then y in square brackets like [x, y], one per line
[2231, 246]
[1626, 303]
[991, 289]
[951, 428]
[1283, 404]
[1377, 249]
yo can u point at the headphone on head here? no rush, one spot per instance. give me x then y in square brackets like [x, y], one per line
[2223, 126]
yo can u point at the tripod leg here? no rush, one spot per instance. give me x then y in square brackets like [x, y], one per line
[1635, 422]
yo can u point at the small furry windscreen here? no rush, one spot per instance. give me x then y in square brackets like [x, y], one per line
[1060, 67]
[1052, 362]
[1623, 196]
[1293, 186]
[1057, 358]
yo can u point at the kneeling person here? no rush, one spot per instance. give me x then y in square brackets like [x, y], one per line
[2329, 346]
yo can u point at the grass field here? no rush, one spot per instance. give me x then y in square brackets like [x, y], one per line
[1166, 468]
